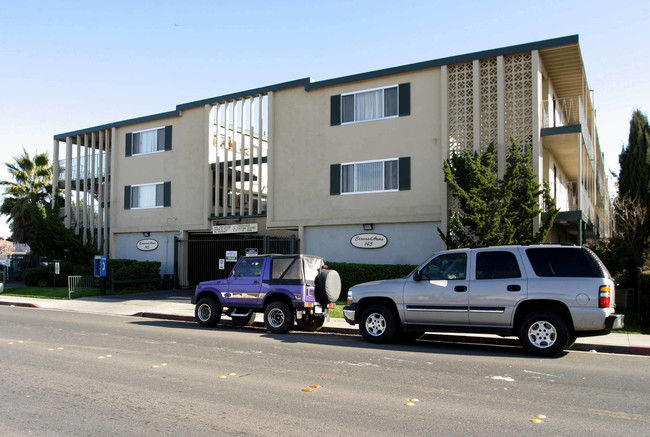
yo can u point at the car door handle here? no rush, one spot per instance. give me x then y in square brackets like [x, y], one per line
[514, 287]
[460, 288]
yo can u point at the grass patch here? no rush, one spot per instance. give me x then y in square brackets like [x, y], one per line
[633, 325]
[48, 292]
[337, 312]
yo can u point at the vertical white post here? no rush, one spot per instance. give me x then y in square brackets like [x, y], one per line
[68, 181]
[215, 143]
[93, 176]
[242, 155]
[225, 161]
[77, 219]
[107, 185]
[55, 170]
[260, 154]
[251, 102]
[270, 102]
[100, 192]
[233, 194]
[444, 146]
[84, 220]
[537, 152]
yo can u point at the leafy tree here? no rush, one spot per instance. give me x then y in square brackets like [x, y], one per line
[32, 185]
[632, 207]
[495, 211]
[49, 237]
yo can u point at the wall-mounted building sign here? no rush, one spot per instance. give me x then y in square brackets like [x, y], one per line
[231, 256]
[241, 228]
[147, 244]
[369, 241]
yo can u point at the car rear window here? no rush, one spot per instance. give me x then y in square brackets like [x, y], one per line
[564, 262]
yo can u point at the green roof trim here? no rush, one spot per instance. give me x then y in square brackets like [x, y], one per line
[309, 85]
[511, 50]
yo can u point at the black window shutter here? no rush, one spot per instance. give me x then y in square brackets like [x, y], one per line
[127, 196]
[405, 173]
[404, 99]
[168, 138]
[335, 110]
[167, 197]
[129, 144]
[335, 179]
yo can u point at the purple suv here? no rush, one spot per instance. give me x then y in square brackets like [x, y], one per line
[283, 287]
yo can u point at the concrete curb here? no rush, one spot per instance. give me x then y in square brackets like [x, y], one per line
[20, 304]
[443, 338]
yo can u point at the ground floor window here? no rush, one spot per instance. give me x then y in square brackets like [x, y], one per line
[364, 177]
[147, 195]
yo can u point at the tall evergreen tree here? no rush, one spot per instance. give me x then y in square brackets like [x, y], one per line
[495, 211]
[634, 186]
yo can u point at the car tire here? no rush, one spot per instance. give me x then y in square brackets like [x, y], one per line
[328, 286]
[378, 324]
[243, 321]
[278, 317]
[207, 312]
[310, 322]
[543, 334]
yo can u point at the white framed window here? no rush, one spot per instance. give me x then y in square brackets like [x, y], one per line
[370, 176]
[372, 104]
[147, 141]
[143, 196]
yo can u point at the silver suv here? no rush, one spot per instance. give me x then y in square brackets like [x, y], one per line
[547, 295]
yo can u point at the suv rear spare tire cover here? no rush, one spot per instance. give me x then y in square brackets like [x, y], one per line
[328, 286]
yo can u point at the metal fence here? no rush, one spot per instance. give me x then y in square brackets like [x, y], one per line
[209, 257]
[78, 284]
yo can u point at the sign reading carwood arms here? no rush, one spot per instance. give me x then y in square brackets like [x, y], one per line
[147, 245]
[369, 241]
[241, 228]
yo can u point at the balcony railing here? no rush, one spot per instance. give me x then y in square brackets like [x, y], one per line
[564, 112]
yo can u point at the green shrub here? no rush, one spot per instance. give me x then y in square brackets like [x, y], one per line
[34, 276]
[353, 274]
[128, 269]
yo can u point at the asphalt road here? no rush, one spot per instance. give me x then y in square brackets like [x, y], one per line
[64, 373]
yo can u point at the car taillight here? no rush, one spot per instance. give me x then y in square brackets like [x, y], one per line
[604, 297]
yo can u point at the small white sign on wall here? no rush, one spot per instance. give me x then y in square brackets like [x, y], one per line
[222, 264]
[369, 241]
[231, 256]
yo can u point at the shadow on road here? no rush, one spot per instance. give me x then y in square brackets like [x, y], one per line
[429, 343]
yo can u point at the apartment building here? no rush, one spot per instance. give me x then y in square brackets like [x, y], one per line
[347, 168]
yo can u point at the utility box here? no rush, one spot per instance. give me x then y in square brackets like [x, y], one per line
[100, 266]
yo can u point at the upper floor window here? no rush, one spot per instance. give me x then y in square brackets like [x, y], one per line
[372, 104]
[147, 196]
[369, 105]
[149, 141]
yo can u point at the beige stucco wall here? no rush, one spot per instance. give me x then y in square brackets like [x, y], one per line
[305, 145]
[185, 166]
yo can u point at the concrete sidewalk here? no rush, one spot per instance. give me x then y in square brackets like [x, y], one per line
[176, 305]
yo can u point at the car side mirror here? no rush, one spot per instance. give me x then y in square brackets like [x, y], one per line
[417, 276]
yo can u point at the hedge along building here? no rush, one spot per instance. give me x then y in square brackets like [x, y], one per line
[344, 165]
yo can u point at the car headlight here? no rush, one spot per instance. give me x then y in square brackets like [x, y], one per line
[350, 299]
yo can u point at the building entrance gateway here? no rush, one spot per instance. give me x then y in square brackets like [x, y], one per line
[210, 256]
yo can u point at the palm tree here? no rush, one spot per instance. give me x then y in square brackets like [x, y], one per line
[32, 185]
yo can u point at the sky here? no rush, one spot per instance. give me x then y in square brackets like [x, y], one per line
[69, 65]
